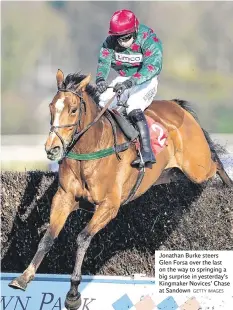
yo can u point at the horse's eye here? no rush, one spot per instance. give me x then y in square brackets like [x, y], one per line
[73, 111]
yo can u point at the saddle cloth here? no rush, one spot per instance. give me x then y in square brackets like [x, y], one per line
[158, 135]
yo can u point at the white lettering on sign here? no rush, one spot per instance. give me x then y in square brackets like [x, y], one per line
[128, 58]
[48, 292]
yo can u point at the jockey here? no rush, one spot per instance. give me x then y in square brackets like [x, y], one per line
[134, 51]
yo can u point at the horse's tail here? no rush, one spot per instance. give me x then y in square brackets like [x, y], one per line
[215, 148]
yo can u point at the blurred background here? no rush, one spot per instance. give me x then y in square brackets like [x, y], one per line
[40, 37]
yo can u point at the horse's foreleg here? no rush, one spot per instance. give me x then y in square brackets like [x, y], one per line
[63, 204]
[103, 215]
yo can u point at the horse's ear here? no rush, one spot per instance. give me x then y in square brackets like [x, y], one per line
[60, 78]
[83, 84]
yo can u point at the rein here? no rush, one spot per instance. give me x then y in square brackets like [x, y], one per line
[98, 154]
[77, 135]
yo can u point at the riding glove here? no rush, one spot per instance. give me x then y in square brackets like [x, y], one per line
[119, 88]
[101, 86]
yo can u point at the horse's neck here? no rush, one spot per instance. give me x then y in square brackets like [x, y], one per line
[92, 138]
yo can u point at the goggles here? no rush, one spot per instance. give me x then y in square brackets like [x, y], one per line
[125, 38]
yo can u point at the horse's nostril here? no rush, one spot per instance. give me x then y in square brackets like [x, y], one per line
[54, 150]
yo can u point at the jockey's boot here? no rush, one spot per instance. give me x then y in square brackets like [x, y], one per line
[138, 118]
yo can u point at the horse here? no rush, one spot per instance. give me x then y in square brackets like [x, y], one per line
[79, 124]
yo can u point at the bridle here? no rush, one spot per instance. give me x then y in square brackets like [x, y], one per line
[76, 124]
[76, 134]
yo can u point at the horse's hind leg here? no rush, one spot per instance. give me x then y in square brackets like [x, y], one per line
[193, 153]
[199, 172]
[102, 216]
[62, 205]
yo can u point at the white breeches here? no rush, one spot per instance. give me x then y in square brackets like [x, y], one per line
[137, 97]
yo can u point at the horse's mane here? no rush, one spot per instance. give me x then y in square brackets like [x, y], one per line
[73, 79]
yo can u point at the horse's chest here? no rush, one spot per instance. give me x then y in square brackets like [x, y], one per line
[96, 186]
[92, 195]
[92, 189]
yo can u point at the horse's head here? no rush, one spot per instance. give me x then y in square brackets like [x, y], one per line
[66, 111]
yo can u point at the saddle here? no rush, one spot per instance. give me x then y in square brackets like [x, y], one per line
[158, 133]
[124, 123]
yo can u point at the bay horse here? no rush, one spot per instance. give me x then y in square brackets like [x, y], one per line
[106, 182]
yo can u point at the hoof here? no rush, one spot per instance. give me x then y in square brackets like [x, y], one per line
[73, 303]
[18, 283]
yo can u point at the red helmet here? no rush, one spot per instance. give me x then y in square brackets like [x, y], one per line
[123, 22]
